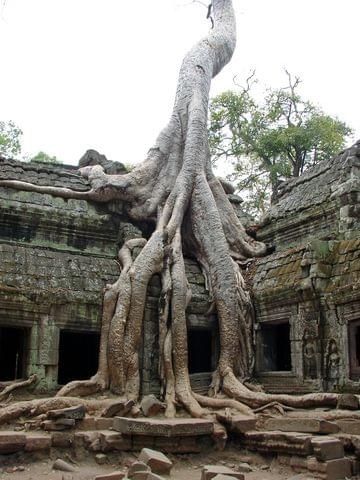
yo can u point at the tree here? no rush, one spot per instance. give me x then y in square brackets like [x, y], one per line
[176, 192]
[44, 157]
[9, 139]
[271, 141]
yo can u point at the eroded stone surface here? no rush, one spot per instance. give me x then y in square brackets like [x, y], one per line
[163, 428]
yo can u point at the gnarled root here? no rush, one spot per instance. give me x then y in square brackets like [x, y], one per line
[4, 394]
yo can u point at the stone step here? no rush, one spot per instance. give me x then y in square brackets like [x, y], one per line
[303, 425]
[178, 427]
[311, 467]
[293, 443]
[351, 426]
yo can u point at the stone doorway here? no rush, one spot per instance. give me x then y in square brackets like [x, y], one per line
[12, 353]
[275, 355]
[78, 355]
[200, 350]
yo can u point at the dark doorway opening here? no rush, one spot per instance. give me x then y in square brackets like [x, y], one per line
[354, 349]
[276, 347]
[200, 351]
[78, 355]
[12, 347]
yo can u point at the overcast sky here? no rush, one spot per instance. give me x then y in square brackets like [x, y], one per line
[79, 74]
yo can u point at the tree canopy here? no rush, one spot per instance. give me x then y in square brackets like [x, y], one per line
[10, 134]
[272, 140]
[44, 157]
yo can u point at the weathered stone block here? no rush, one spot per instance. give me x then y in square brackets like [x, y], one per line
[280, 442]
[237, 423]
[303, 425]
[138, 467]
[62, 439]
[338, 469]
[327, 448]
[37, 442]
[157, 461]
[76, 413]
[151, 406]
[211, 471]
[113, 441]
[120, 409]
[63, 466]
[349, 426]
[11, 442]
[348, 401]
[163, 428]
[88, 423]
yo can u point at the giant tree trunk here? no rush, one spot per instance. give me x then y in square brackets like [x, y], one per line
[176, 189]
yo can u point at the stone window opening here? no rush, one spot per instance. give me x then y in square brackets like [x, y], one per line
[200, 350]
[13, 341]
[78, 355]
[275, 355]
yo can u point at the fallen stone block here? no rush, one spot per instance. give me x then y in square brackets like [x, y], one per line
[114, 441]
[120, 408]
[111, 476]
[37, 442]
[63, 466]
[211, 471]
[163, 428]
[12, 442]
[337, 469]
[327, 448]
[347, 401]
[237, 423]
[303, 425]
[138, 467]
[157, 461]
[292, 443]
[75, 413]
[153, 476]
[151, 406]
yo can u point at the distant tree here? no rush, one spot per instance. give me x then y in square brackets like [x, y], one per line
[44, 157]
[271, 141]
[10, 139]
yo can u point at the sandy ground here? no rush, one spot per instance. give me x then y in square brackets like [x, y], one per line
[186, 467]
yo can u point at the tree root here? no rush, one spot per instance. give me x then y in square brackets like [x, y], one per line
[16, 386]
[33, 408]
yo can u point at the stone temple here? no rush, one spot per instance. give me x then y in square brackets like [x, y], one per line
[57, 255]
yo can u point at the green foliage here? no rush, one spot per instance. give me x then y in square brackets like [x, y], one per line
[270, 141]
[10, 139]
[44, 157]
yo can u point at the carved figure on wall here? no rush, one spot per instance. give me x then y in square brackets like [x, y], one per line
[332, 359]
[309, 355]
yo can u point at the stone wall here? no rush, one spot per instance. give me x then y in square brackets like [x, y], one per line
[56, 257]
[311, 282]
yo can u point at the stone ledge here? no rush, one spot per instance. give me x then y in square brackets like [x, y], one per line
[163, 428]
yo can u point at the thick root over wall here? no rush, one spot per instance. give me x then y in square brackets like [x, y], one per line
[176, 190]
